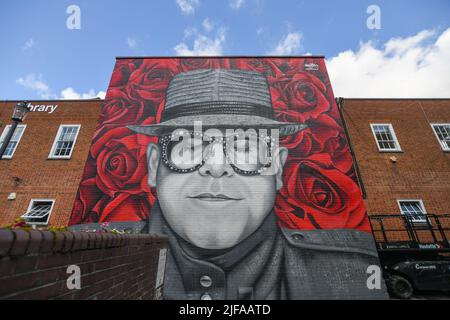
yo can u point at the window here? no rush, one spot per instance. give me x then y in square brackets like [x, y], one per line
[385, 136]
[39, 211]
[442, 131]
[413, 209]
[64, 141]
[14, 142]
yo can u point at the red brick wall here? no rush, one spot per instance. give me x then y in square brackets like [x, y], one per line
[39, 176]
[33, 265]
[422, 170]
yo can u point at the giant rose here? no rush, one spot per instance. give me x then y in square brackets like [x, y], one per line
[339, 150]
[151, 79]
[120, 109]
[305, 93]
[197, 63]
[148, 84]
[125, 207]
[121, 162]
[122, 207]
[122, 71]
[266, 66]
[87, 196]
[316, 195]
[314, 139]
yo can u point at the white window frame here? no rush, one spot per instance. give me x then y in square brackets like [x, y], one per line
[3, 135]
[52, 151]
[30, 205]
[421, 206]
[437, 137]
[394, 136]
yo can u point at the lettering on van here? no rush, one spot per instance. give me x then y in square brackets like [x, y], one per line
[425, 267]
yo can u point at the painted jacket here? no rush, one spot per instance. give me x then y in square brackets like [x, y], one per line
[272, 263]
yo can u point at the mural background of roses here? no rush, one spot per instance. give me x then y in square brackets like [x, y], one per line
[319, 192]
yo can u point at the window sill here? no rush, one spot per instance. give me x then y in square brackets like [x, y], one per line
[421, 225]
[390, 151]
[59, 158]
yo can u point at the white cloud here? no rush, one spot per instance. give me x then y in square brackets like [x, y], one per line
[70, 93]
[203, 45]
[208, 25]
[189, 32]
[28, 44]
[37, 84]
[188, 6]
[101, 94]
[290, 44]
[411, 67]
[401, 45]
[131, 42]
[236, 4]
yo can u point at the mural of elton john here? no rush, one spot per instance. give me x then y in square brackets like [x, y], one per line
[244, 220]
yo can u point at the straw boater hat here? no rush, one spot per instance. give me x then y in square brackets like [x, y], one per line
[219, 98]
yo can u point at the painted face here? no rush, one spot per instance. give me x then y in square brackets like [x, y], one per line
[215, 207]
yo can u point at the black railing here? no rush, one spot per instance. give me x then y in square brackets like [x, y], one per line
[400, 232]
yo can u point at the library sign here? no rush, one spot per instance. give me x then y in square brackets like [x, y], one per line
[48, 108]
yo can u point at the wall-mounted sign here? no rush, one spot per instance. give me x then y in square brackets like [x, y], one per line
[49, 108]
[311, 66]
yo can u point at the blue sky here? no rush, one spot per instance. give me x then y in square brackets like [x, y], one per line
[42, 58]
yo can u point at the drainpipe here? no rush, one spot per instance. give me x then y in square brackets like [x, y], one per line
[340, 104]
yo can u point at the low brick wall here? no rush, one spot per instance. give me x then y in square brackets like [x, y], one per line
[34, 265]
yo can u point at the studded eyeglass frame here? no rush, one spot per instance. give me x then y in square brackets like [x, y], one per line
[165, 139]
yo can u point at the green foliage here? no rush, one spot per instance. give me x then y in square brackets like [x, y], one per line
[56, 228]
[21, 224]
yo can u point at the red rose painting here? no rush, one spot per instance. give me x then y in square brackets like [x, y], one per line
[318, 195]
[319, 190]
[281, 224]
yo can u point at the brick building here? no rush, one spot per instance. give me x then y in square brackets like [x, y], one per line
[41, 168]
[402, 150]
[406, 172]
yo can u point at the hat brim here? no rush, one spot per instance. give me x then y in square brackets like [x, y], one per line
[231, 121]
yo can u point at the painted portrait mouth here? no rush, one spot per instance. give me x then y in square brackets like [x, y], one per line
[213, 197]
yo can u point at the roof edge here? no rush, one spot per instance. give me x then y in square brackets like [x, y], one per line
[238, 56]
[448, 98]
[49, 100]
